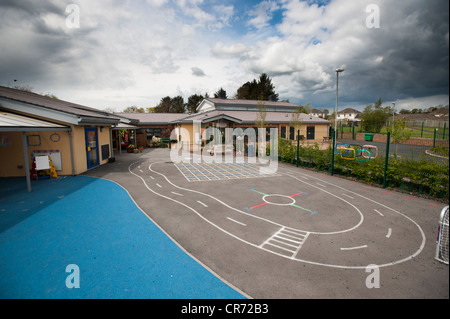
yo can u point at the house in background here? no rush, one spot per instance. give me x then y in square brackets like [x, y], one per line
[349, 116]
[318, 113]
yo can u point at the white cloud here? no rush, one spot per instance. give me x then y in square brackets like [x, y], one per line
[236, 50]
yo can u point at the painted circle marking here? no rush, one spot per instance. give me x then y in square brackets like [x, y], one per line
[292, 201]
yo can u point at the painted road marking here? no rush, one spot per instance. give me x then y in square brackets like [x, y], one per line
[201, 203]
[178, 194]
[348, 196]
[236, 221]
[389, 233]
[379, 213]
[354, 248]
[158, 185]
[288, 240]
[283, 237]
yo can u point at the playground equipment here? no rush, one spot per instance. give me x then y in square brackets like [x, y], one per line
[442, 238]
[355, 152]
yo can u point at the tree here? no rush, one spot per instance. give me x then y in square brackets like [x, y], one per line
[163, 106]
[261, 115]
[177, 105]
[133, 109]
[400, 132]
[260, 89]
[193, 103]
[375, 116]
[221, 94]
[296, 119]
[170, 105]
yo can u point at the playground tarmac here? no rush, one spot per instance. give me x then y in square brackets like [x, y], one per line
[294, 234]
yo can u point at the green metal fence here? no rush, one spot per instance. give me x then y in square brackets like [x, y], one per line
[393, 166]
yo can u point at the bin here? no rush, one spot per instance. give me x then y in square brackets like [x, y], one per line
[369, 138]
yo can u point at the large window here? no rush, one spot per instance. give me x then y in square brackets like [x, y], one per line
[156, 132]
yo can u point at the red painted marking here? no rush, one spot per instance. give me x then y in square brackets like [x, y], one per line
[263, 204]
[387, 192]
[295, 195]
[409, 198]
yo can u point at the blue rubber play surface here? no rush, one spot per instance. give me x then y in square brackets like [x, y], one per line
[94, 224]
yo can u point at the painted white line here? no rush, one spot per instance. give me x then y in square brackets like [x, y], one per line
[321, 185]
[141, 171]
[379, 213]
[152, 177]
[236, 221]
[171, 238]
[353, 248]
[158, 185]
[348, 196]
[389, 233]
[201, 203]
[178, 194]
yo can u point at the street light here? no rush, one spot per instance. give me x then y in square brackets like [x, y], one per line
[340, 70]
[393, 117]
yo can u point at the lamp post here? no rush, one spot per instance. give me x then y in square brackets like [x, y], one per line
[335, 120]
[393, 117]
[336, 111]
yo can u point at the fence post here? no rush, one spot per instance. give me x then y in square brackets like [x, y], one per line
[434, 138]
[332, 156]
[298, 147]
[445, 128]
[388, 142]
[421, 134]
[353, 133]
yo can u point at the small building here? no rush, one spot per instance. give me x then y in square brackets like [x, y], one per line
[76, 137]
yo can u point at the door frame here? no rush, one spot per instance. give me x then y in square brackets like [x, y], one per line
[86, 130]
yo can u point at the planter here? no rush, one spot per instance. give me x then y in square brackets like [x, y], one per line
[129, 150]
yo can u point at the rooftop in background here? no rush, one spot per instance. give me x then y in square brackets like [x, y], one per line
[154, 118]
[209, 104]
[249, 117]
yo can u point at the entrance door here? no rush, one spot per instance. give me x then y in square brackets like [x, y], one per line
[92, 147]
[311, 132]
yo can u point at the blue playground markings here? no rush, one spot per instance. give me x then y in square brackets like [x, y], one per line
[94, 224]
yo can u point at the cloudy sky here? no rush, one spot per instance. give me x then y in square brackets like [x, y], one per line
[135, 52]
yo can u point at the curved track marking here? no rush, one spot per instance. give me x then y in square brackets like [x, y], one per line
[282, 227]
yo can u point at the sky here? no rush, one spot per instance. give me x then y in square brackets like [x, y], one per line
[111, 54]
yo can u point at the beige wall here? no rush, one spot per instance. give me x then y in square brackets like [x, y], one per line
[11, 157]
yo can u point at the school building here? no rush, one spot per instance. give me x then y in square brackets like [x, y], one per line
[78, 138]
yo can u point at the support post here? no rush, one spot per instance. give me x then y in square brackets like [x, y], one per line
[434, 138]
[332, 156]
[298, 147]
[387, 159]
[27, 165]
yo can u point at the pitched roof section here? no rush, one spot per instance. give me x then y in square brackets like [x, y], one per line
[10, 122]
[52, 104]
[154, 118]
[209, 104]
[249, 117]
